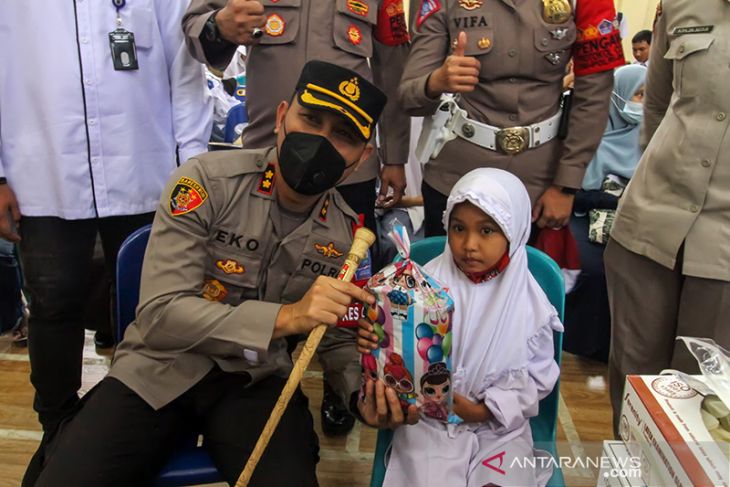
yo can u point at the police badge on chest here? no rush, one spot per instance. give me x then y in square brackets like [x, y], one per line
[556, 11]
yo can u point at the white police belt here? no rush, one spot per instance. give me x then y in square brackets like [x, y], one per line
[510, 140]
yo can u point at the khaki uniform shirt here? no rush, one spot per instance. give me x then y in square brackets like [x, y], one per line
[680, 192]
[215, 277]
[523, 60]
[314, 29]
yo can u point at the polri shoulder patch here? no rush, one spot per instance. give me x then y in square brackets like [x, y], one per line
[187, 195]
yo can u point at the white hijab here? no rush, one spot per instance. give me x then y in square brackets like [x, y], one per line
[494, 320]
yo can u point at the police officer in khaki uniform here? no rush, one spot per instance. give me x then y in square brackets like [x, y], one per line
[506, 61]
[345, 32]
[668, 260]
[242, 253]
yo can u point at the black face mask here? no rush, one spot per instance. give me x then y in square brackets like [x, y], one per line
[309, 163]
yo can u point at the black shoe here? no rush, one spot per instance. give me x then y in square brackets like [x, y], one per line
[336, 419]
[103, 339]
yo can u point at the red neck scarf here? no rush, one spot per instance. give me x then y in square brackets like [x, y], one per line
[491, 273]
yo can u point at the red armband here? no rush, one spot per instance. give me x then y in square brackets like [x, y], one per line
[392, 29]
[597, 46]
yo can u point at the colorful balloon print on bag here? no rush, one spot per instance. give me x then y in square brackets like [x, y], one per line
[412, 320]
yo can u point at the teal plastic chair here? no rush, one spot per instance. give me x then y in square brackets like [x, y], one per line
[544, 425]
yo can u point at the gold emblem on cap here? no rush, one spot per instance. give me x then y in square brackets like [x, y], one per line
[484, 43]
[556, 11]
[350, 89]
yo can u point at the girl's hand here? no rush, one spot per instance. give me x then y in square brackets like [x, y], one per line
[469, 411]
[381, 408]
[367, 340]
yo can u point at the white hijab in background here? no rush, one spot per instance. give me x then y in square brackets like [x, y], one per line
[493, 320]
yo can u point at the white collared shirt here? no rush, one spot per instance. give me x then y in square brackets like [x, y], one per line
[79, 139]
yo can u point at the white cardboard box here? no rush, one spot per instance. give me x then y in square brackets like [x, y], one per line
[661, 424]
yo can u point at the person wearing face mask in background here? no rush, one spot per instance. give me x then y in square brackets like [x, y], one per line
[668, 261]
[243, 252]
[587, 318]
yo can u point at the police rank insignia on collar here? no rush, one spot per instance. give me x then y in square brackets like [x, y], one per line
[328, 250]
[230, 266]
[186, 196]
[323, 210]
[266, 183]
[214, 290]
[556, 11]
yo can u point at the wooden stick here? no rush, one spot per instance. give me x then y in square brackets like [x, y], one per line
[363, 239]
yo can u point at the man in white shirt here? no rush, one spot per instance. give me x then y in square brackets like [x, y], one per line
[640, 47]
[86, 146]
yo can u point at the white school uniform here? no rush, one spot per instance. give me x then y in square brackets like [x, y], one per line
[502, 356]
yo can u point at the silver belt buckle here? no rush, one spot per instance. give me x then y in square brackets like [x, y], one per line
[513, 140]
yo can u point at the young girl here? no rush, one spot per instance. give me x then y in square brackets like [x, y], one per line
[503, 346]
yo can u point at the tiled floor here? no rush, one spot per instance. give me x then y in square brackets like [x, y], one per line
[584, 419]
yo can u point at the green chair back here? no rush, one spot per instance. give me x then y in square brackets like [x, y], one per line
[544, 426]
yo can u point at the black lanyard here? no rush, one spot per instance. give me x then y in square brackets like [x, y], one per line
[119, 4]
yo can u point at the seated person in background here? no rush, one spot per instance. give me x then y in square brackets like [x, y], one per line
[587, 317]
[502, 353]
[231, 269]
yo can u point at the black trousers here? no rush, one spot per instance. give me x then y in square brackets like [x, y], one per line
[117, 439]
[434, 205]
[587, 314]
[56, 255]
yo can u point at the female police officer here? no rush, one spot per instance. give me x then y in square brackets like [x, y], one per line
[507, 66]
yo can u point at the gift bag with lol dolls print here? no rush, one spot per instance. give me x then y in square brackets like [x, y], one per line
[412, 319]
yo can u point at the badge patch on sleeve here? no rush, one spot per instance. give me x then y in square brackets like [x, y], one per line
[428, 8]
[187, 195]
[214, 290]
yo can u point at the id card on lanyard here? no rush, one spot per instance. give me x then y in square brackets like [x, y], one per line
[121, 42]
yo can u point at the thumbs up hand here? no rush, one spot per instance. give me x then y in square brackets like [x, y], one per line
[458, 74]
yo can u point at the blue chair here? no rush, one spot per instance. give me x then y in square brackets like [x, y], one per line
[190, 464]
[544, 425]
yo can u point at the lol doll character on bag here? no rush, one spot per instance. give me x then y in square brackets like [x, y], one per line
[412, 320]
